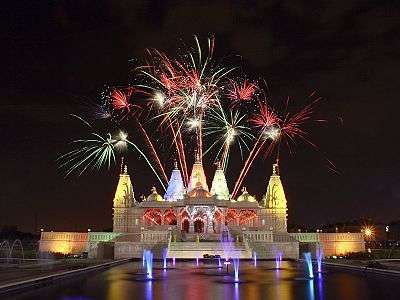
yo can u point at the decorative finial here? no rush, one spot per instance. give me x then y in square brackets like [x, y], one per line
[154, 190]
[218, 163]
[244, 190]
[122, 165]
[175, 164]
[275, 169]
[125, 169]
[197, 156]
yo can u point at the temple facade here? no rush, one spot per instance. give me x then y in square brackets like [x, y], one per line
[194, 220]
[198, 210]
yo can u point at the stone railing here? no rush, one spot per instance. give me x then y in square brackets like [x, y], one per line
[102, 236]
[305, 237]
[64, 236]
[155, 236]
[258, 236]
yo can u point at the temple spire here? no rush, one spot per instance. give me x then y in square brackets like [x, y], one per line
[124, 196]
[197, 175]
[275, 197]
[219, 186]
[175, 187]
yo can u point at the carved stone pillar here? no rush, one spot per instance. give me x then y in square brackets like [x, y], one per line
[191, 226]
[210, 226]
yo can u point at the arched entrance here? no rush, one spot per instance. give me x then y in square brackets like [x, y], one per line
[199, 226]
[185, 225]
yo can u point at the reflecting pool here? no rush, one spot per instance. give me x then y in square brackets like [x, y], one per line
[185, 280]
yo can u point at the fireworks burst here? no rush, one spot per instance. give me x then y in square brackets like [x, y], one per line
[183, 99]
[238, 92]
[224, 129]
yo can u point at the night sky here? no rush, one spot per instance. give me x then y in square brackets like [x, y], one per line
[57, 54]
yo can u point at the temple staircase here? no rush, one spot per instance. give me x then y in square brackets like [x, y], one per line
[192, 250]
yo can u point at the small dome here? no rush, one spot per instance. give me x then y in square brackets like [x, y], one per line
[245, 196]
[154, 196]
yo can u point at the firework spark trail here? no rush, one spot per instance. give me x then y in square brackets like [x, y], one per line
[180, 151]
[191, 85]
[91, 153]
[241, 92]
[257, 145]
[189, 91]
[264, 120]
[148, 162]
[230, 127]
[152, 149]
[120, 104]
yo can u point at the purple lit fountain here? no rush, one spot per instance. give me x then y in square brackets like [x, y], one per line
[320, 255]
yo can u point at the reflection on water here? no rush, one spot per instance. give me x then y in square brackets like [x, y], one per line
[320, 287]
[311, 289]
[236, 288]
[149, 290]
[128, 281]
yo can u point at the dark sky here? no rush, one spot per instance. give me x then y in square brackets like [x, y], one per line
[56, 53]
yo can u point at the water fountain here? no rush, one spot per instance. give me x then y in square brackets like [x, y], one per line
[197, 259]
[255, 258]
[227, 243]
[219, 262]
[320, 255]
[17, 242]
[5, 248]
[149, 264]
[278, 260]
[165, 252]
[236, 262]
[144, 258]
[308, 260]
[173, 261]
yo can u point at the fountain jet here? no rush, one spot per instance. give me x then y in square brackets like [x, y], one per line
[236, 268]
[165, 251]
[148, 255]
[278, 259]
[308, 260]
[320, 255]
[255, 258]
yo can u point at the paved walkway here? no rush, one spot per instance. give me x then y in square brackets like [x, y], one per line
[10, 273]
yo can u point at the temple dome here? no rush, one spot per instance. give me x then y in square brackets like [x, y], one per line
[245, 196]
[154, 196]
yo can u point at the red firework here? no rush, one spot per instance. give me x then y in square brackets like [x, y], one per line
[241, 92]
[120, 104]
[266, 117]
[290, 129]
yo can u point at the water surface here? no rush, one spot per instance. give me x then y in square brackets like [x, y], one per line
[187, 281]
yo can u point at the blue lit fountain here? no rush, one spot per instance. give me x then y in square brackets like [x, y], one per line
[278, 260]
[148, 256]
[308, 260]
[255, 258]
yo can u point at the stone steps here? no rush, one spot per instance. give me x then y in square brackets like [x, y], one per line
[194, 249]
